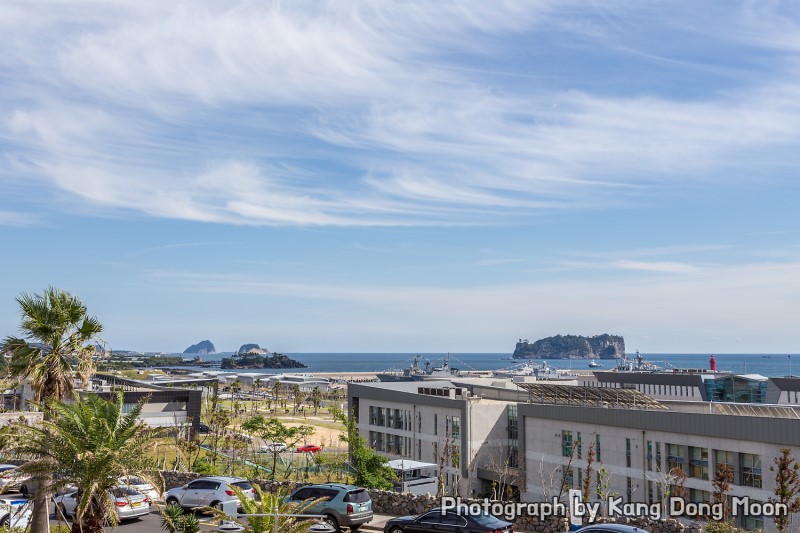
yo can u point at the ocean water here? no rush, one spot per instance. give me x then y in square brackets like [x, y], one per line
[773, 365]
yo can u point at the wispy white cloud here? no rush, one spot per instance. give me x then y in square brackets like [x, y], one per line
[262, 113]
[174, 246]
[13, 218]
[667, 267]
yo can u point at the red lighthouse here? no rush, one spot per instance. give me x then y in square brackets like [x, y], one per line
[712, 363]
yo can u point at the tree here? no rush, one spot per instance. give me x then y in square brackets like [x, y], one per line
[297, 398]
[57, 333]
[316, 399]
[723, 477]
[787, 487]
[273, 430]
[90, 444]
[678, 487]
[276, 393]
[264, 506]
[371, 469]
[587, 479]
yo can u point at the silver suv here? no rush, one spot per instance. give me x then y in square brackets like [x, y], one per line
[208, 492]
[342, 505]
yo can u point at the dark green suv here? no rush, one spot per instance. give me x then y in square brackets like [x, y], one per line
[343, 505]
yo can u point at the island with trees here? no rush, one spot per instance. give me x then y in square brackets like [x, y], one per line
[603, 346]
[256, 360]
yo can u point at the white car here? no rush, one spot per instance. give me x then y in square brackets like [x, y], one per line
[141, 485]
[11, 478]
[14, 513]
[273, 447]
[209, 491]
[128, 503]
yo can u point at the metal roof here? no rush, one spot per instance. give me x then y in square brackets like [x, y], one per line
[590, 396]
[749, 409]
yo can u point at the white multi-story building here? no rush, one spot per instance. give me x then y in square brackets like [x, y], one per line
[638, 441]
[472, 439]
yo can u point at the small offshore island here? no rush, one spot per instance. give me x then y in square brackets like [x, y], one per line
[603, 346]
[254, 360]
[254, 356]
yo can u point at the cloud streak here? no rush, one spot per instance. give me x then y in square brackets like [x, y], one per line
[688, 310]
[376, 114]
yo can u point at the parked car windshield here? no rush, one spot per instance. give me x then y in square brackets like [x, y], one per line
[357, 496]
[124, 491]
[484, 519]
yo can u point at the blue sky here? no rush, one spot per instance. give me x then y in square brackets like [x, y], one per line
[405, 176]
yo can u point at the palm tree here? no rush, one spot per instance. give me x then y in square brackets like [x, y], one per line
[316, 399]
[264, 505]
[296, 397]
[276, 391]
[56, 332]
[89, 443]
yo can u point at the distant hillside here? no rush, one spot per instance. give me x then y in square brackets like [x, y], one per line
[252, 347]
[572, 347]
[254, 360]
[202, 347]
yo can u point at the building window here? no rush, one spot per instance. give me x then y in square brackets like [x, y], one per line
[435, 424]
[628, 453]
[675, 456]
[580, 453]
[419, 450]
[569, 480]
[598, 457]
[658, 457]
[373, 418]
[629, 489]
[722, 457]
[419, 422]
[381, 421]
[698, 462]
[398, 419]
[750, 473]
[456, 427]
[754, 523]
[513, 437]
[436, 452]
[698, 496]
[566, 444]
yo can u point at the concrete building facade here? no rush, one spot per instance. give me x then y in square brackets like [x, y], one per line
[438, 422]
[638, 448]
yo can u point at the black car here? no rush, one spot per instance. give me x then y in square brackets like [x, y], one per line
[458, 520]
[203, 428]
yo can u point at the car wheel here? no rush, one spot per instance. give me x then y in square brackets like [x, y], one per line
[6, 521]
[61, 512]
[395, 530]
[331, 521]
[355, 528]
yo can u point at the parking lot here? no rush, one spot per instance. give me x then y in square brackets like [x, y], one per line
[152, 522]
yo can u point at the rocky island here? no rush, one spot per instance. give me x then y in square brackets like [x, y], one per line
[202, 347]
[603, 346]
[256, 360]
